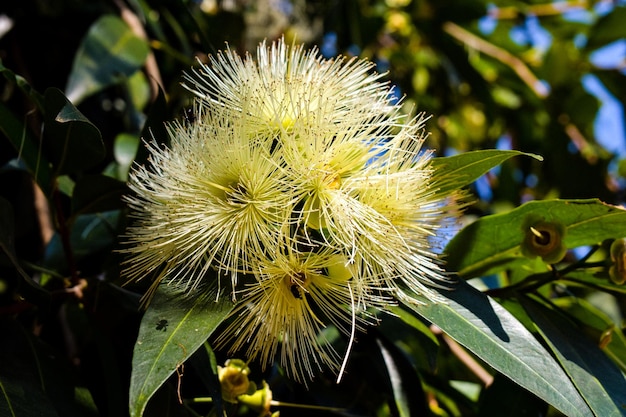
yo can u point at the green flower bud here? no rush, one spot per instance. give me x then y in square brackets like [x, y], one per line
[234, 380]
[260, 401]
[544, 239]
[617, 272]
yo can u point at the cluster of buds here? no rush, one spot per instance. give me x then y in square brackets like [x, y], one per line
[302, 183]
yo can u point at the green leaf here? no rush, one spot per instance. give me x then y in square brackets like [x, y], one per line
[27, 147]
[505, 398]
[23, 85]
[91, 235]
[598, 326]
[38, 382]
[492, 243]
[7, 246]
[599, 281]
[97, 193]
[71, 141]
[172, 329]
[405, 384]
[494, 335]
[411, 335]
[463, 169]
[598, 380]
[607, 29]
[109, 53]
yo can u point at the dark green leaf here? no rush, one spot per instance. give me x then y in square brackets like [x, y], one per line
[71, 141]
[597, 326]
[27, 146]
[109, 53]
[405, 384]
[23, 85]
[598, 380]
[37, 382]
[494, 335]
[410, 334]
[172, 329]
[463, 169]
[607, 29]
[97, 193]
[91, 235]
[505, 398]
[492, 243]
[7, 246]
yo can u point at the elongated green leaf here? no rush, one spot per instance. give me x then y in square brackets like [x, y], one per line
[109, 52]
[71, 141]
[491, 243]
[412, 336]
[405, 384]
[465, 168]
[598, 380]
[172, 329]
[600, 281]
[598, 326]
[494, 335]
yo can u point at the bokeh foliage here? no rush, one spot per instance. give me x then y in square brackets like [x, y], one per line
[83, 81]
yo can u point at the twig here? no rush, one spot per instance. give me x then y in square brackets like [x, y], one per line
[516, 64]
[152, 68]
[458, 351]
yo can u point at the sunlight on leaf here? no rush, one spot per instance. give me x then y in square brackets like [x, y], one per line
[493, 242]
[598, 380]
[172, 329]
[494, 335]
[109, 53]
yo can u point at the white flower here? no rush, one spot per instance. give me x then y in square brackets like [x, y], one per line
[288, 86]
[213, 199]
[294, 297]
[303, 175]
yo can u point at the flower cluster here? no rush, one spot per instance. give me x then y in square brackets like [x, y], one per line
[302, 183]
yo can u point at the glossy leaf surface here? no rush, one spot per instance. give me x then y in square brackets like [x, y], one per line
[489, 244]
[494, 335]
[172, 329]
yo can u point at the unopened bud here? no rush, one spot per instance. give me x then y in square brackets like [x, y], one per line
[234, 380]
[259, 401]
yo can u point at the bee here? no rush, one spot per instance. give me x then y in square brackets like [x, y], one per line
[295, 291]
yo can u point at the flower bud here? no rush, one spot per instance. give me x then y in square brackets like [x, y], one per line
[544, 239]
[234, 380]
[259, 401]
[617, 272]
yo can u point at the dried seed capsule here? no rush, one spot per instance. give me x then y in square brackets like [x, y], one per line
[617, 271]
[544, 239]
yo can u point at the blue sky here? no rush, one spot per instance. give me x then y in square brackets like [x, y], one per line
[609, 128]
